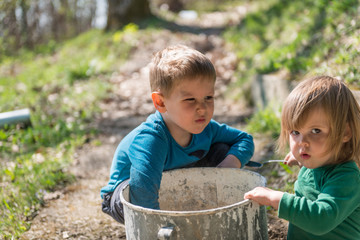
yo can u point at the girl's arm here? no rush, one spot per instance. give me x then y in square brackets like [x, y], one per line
[291, 161]
[265, 196]
[316, 211]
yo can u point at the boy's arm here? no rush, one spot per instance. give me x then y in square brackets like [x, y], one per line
[241, 143]
[147, 155]
[231, 161]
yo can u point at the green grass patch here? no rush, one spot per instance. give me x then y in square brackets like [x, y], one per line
[301, 37]
[62, 85]
[319, 37]
[265, 122]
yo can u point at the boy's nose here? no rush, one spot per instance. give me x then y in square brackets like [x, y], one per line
[201, 107]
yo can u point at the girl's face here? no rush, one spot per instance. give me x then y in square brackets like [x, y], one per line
[308, 144]
[189, 108]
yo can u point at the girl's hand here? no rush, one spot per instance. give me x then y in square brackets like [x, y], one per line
[265, 196]
[291, 161]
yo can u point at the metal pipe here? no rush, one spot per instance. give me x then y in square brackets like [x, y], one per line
[14, 117]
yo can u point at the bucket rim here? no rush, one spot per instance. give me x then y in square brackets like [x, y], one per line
[185, 213]
[193, 212]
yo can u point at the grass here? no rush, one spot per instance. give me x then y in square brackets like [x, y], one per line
[302, 37]
[265, 122]
[62, 85]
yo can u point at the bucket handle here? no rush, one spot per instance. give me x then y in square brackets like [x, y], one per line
[165, 233]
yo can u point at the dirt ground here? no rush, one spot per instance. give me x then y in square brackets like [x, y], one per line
[75, 211]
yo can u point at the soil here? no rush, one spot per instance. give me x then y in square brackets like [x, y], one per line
[74, 212]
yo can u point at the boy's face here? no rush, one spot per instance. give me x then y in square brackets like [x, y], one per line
[189, 108]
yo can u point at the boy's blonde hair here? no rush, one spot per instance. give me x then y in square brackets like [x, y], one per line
[341, 107]
[177, 63]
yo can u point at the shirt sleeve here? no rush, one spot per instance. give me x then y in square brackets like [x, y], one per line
[335, 202]
[147, 155]
[242, 144]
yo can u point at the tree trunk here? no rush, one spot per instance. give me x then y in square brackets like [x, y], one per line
[122, 12]
[54, 21]
[24, 24]
[10, 24]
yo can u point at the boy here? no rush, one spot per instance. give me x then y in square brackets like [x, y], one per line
[179, 134]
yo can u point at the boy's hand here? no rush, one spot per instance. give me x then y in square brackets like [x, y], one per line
[291, 161]
[230, 162]
[265, 196]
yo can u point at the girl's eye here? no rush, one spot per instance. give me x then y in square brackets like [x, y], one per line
[315, 130]
[294, 132]
[190, 99]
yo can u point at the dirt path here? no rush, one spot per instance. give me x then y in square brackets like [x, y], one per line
[74, 212]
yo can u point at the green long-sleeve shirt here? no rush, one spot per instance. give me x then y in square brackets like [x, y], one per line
[326, 204]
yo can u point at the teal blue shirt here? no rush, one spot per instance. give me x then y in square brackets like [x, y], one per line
[326, 204]
[150, 149]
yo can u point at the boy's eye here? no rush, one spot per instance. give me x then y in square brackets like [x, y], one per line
[209, 98]
[315, 130]
[190, 99]
[294, 132]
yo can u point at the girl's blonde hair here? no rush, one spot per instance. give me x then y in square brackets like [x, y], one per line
[341, 107]
[176, 63]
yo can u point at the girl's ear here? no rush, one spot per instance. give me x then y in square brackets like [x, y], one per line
[347, 134]
[158, 100]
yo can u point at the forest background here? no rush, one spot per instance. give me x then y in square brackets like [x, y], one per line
[57, 59]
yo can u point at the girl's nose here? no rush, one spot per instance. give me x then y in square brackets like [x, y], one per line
[303, 141]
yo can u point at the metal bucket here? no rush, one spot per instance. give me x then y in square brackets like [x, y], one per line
[200, 203]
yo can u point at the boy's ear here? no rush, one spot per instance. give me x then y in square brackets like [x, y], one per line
[158, 100]
[348, 134]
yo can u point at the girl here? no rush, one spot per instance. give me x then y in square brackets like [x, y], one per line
[321, 123]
